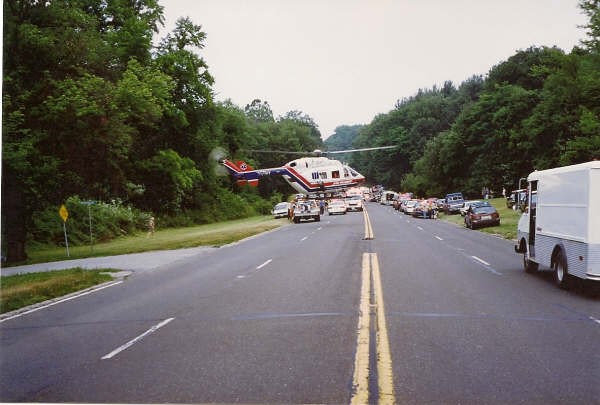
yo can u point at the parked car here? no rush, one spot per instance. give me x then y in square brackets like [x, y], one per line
[281, 210]
[409, 206]
[517, 199]
[336, 207]
[466, 205]
[354, 203]
[482, 214]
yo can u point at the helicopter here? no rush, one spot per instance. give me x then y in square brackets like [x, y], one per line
[307, 175]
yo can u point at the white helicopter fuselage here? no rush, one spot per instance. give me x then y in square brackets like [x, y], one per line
[318, 174]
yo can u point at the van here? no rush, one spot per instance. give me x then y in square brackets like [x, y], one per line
[388, 197]
[560, 227]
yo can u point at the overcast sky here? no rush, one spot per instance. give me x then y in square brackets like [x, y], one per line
[342, 62]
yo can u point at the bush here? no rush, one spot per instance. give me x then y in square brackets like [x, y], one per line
[113, 219]
[109, 220]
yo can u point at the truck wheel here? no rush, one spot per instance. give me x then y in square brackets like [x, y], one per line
[317, 219]
[561, 274]
[296, 220]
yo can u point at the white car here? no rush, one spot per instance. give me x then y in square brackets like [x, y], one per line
[354, 203]
[410, 206]
[281, 210]
[336, 207]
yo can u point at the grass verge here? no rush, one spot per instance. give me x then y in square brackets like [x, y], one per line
[508, 220]
[21, 290]
[217, 234]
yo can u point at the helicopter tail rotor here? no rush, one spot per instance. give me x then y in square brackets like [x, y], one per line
[217, 155]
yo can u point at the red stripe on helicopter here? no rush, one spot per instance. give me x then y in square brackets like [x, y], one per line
[316, 186]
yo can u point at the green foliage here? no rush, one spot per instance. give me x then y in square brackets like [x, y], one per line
[109, 221]
[343, 138]
[539, 109]
[259, 111]
[591, 8]
[167, 178]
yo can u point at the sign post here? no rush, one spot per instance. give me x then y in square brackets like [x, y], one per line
[89, 204]
[64, 214]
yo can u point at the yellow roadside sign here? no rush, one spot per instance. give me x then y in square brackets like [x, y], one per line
[64, 214]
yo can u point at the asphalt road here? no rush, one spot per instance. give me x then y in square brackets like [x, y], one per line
[277, 319]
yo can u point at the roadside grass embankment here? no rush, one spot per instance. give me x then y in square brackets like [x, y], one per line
[508, 220]
[216, 234]
[21, 290]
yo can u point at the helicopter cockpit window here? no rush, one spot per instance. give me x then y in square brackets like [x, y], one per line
[353, 173]
[293, 164]
[335, 174]
[323, 175]
[346, 174]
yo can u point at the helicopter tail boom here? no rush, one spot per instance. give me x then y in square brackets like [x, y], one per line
[242, 172]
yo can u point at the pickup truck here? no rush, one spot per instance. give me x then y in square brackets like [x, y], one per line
[454, 201]
[306, 209]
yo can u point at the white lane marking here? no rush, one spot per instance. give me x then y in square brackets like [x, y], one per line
[137, 339]
[438, 238]
[486, 265]
[419, 228]
[319, 228]
[481, 260]
[60, 301]
[303, 239]
[264, 264]
[595, 320]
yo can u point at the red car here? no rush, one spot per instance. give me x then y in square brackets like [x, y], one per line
[482, 214]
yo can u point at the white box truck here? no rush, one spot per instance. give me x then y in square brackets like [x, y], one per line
[560, 228]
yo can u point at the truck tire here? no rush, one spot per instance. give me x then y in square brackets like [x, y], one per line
[561, 273]
[317, 218]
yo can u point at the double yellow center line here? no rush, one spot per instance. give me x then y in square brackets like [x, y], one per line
[371, 303]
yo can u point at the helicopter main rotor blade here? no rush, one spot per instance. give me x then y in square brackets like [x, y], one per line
[333, 152]
[285, 152]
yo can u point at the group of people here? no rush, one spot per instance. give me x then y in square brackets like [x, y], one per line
[429, 209]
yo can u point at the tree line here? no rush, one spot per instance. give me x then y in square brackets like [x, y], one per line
[92, 110]
[538, 109]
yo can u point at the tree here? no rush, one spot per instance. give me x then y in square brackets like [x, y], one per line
[189, 125]
[259, 111]
[167, 178]
[343, 137]
[61, 66]
[591, 8]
